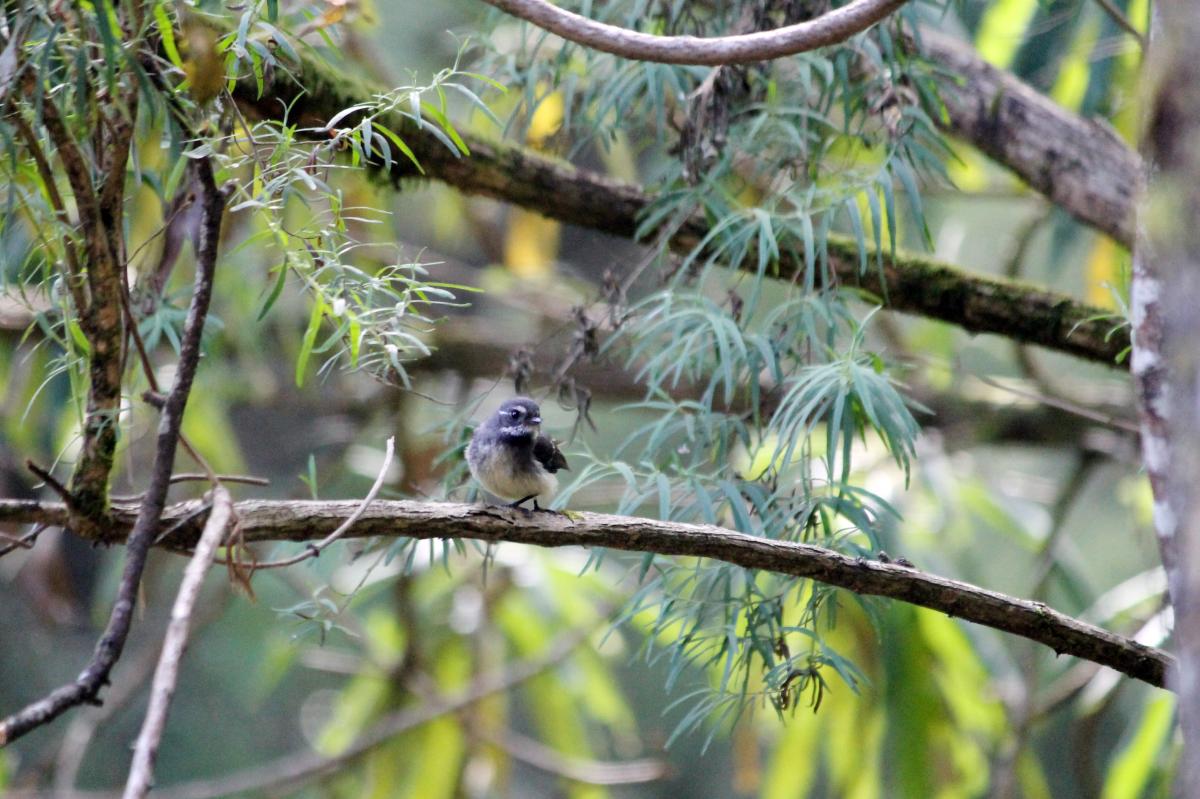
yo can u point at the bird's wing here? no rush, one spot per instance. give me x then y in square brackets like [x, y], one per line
[548, 454]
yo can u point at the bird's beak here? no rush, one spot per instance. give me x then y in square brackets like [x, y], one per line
[536, 420]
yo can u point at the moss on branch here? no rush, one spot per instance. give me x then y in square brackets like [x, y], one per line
[908, 283]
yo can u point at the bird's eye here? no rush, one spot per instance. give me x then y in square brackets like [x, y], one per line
[515, 414]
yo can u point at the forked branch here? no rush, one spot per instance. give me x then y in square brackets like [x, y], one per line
[86, 687]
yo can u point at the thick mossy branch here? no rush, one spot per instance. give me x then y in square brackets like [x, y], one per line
[907, 283]
[100, 221]
[308, 521]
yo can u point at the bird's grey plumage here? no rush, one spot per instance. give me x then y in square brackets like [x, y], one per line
[511, 458]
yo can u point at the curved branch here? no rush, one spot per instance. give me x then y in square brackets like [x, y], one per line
[301, 521]
[831, 28]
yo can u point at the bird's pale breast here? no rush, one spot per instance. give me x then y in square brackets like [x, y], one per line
[500, 475]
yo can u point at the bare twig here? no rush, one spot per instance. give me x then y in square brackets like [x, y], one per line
[830, 28]
[24, 542]
[128, 683]
[592, 772]
[302, 766]
[86, 687]
[51, 482]
[244, 479]
[301, 521]
[166, 676]
[191, 477]
[313, 550]
[1122, 21]
[16, 541]
[1078, 409]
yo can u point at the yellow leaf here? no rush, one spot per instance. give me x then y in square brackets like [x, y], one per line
[1103, 271]
[546, 121]
[1002, 29]
[1072, 82]
[203, 66]
[531, 246]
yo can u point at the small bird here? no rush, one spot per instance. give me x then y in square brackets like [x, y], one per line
[511, 458]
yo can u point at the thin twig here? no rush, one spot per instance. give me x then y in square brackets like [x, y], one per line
[24, 542]
[190, 477]
[1081, 411]
[244, 479]
[303, 766]
[1122, 21]
[51, 482]
[152, 380]
[16, 541]
[86, 687]
[585, 770]
[166, 676]
[313, 550]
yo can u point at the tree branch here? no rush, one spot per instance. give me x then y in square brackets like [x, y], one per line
[1167, 290]
[830, 28]
[87, 686]
[908, 282]
[297, 768]
[166, 676]
[302, 521]
[1079, 164]
[101, 321]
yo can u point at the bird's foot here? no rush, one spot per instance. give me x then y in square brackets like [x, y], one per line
[569, 514]
[517, 504]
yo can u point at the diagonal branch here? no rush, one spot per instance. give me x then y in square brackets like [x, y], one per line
[86, 687]
[831, 28]
[291, 770]
[302, 521]
[1079, 164]
[166, 676]
[907, 282]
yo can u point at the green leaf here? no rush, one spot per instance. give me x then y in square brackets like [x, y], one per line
[1133, 767]
[310, 338]
[441, 119]
[400, 145]
[167, 32]
[276, 290]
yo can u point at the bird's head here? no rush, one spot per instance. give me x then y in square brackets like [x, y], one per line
[519, 417]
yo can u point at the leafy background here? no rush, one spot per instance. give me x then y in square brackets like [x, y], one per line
[685, 391]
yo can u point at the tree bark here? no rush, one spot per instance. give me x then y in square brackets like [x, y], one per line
[1081, 165]
[908, 282]
[1169, 287]
[262, 520]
